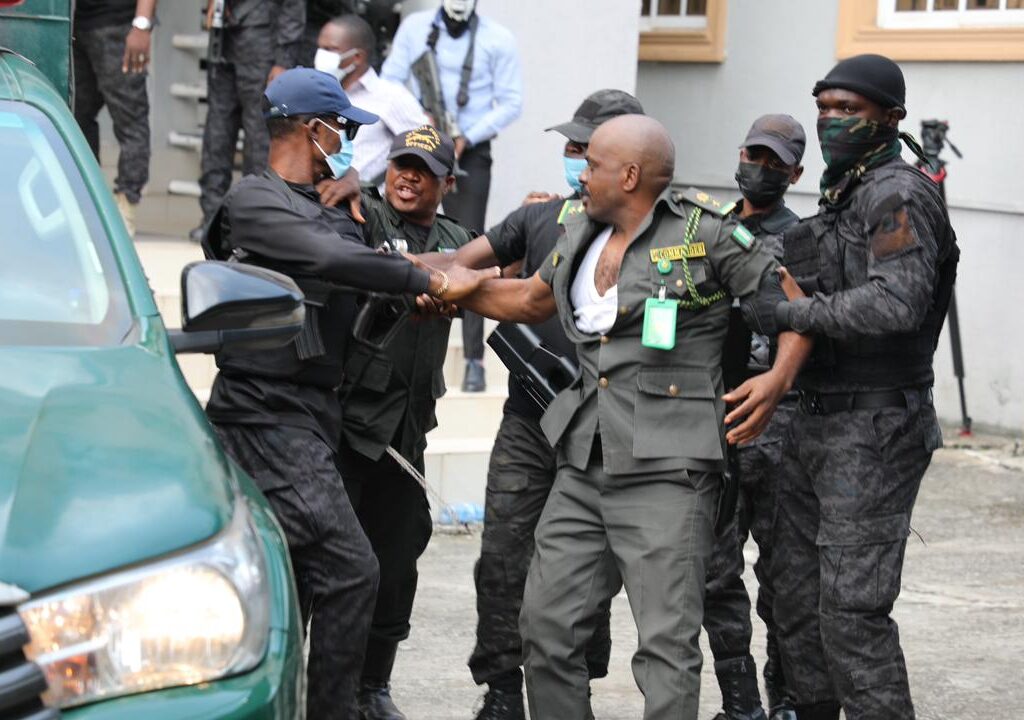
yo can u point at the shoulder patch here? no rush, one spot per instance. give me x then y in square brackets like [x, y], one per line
[743, 237]
[703, 200]
[570, 209]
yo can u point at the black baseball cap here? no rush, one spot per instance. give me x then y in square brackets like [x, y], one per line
[435, 148]
[782, 134]
[876, 77]
[597, 108]
[305, 91]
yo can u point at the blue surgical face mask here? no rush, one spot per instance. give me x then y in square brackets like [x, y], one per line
[341, 161]
[574, 167]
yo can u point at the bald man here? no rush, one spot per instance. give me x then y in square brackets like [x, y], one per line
[642, 282]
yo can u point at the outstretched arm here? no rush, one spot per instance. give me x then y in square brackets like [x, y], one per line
[527, 301]
[477, 254]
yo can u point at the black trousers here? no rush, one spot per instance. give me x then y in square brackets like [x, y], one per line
[469, 207]
[519, 479]
[726, 603]
[393, 511]
[98, 54]
[335, 569]
[234, 96]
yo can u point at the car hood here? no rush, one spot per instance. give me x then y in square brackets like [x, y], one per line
[105, 460]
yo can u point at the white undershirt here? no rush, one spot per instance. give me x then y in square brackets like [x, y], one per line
[594, 312]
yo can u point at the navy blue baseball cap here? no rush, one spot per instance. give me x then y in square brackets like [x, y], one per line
[305, 91]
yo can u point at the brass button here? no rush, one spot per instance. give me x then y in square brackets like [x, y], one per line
[673, 390]
[603, 382]
[679, 283]
[604, 339]
[623, 309]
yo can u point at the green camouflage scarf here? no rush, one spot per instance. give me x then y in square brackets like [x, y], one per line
[851, 147]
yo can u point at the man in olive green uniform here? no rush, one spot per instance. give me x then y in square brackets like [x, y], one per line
[388, 399]
[642, 282]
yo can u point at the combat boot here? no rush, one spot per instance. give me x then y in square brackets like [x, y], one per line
[375, 703]
[740, 699]
[501, 705]
[818, 711]
[374, 697]
[780, 704]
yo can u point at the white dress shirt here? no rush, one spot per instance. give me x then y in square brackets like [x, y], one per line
[398, 110]
[594, 312]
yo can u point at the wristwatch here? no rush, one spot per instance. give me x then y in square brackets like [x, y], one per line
[141, 22]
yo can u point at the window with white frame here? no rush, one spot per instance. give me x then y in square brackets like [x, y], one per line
[673, 14]
[947, 14]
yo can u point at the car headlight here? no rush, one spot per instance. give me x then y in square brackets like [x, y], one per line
[197, 616]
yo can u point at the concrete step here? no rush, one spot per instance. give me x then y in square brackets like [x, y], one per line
[470, 415]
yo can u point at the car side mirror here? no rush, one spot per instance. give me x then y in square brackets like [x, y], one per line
[238, 306]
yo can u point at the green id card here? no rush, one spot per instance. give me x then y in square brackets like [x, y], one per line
[659, 323]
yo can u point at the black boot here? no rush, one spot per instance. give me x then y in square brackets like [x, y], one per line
[780, 702]
[818, 711]
[502, 705]
[374, 697]
[738, 680]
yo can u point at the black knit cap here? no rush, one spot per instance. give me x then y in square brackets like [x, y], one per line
[875, 77]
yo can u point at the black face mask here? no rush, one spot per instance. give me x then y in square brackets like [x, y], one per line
[455, 27]
[762, 186]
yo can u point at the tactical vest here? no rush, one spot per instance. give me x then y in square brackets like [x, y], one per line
[899, 359]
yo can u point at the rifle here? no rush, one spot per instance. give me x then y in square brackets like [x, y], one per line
[432, 98]
[541, 372]
[215, 46]
[933, 140]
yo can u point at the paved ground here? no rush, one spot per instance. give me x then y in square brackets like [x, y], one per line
[961, 613]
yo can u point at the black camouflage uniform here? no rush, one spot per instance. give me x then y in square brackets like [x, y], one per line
[389, 399]
[519, 478]
[100, 29]
[278, 416]
[257, 36]
[758, 466]
[881, 259]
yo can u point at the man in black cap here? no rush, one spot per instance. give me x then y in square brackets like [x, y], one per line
[769, 163]
[877, 264]
[522, 466]
[388, 399]
[277, 411]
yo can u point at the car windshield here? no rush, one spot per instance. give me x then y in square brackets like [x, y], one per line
[59, 282]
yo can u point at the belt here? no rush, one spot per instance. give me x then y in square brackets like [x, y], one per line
[815, 403]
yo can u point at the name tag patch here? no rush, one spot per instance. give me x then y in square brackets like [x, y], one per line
[678, 252]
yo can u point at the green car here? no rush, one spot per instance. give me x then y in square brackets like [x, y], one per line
[142, 574]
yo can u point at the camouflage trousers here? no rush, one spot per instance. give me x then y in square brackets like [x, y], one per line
[848, 488]
[98, 54]
[519, 480]
[726, 603]
[234, 95]
[335, 568]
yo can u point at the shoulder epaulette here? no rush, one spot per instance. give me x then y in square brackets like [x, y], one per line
[704, 201]
[448, 220]
[570, 209]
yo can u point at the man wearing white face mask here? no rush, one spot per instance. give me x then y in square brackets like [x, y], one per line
[346, 45]
[480, 78]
